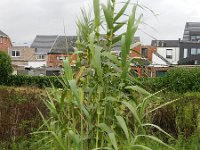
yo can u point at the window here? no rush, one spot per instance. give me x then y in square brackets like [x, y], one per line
[195, 38]
[40, 57]
[169, 53]
[144, 52]
[198, 51]
[15, 53]
[195, 62]
[193, 51]
[60, 57]
[185, 52]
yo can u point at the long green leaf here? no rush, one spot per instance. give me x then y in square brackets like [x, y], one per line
[96, 12]
[117, 39]
[105, 128]
[111, 57]
[157, 127]
[156, 140]
[108, 13]
[141, 146]
[163, 105]
[96, 56]
[129, 33]
[123, 125]
[118, 26]
[113, 140]
[68, 69]
[132, 108]
[121, 12]
[123, 50]
[73, 87]
[138, 89]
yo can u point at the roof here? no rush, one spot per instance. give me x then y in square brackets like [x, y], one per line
[190, 27]
[54, 44]
[117, 46]
[3, 34]
[165, 43]
[44, 41]
[63, 45]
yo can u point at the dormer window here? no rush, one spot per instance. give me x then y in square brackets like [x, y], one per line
[195, 38]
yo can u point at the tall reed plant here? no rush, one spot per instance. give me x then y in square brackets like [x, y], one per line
[97, 108]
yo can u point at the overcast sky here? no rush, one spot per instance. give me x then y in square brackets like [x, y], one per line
[22, 20]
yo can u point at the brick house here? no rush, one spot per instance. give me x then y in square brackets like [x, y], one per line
[5, 42]
[21, 56]
[142, 58]
[143, 52]
[51, 50]
[62, 48]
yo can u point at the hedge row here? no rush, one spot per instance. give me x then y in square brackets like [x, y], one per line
[19, 111]
[38, 81]
[179, 80]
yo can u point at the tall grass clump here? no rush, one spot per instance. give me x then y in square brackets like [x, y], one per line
[98, 108]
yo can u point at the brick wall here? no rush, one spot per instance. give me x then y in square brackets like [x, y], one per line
[5, 44]
[138, 50]
[55, 61]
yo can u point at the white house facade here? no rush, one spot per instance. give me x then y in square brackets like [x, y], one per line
[168, 49]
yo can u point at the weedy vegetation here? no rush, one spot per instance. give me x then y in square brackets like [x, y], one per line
[98, 106]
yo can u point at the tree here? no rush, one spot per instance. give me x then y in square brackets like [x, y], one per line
[5, 66]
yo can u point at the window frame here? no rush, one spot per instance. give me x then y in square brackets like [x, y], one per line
[16, 53]
[193, 51]
[144, 52]
[40, 57]
[169, 56]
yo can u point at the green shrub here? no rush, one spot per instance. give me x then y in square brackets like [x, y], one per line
[153, 84]
[179, 80]
[19, 112]
[5, 66]
[181, 118]
[183, 80]
[38, 81]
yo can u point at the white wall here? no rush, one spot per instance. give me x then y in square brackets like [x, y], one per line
[175, 54]
[157, 60]
[36, 64]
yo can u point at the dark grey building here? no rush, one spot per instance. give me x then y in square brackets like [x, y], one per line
[190, 45]
[63, 45]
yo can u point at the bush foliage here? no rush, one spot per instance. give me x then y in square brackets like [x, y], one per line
[19, 112]
[179, 80]
[37, 81]
[5, 66]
